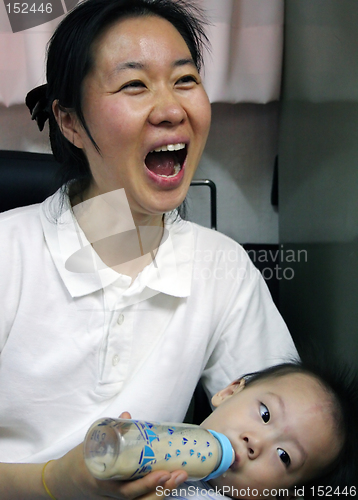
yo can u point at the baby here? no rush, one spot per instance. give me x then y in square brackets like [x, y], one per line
[292, 428]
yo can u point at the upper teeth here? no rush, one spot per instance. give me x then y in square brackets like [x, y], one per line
[170, 147]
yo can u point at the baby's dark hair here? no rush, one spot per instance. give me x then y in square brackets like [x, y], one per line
[341, 386]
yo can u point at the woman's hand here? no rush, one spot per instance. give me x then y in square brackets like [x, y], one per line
[69, 479]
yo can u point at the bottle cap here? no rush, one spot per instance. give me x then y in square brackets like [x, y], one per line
[228, 455]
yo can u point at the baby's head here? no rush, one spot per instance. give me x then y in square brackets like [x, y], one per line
[289, 425]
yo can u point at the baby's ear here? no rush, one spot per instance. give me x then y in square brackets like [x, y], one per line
[233, 388]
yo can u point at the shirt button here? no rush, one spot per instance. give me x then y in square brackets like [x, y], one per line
[115, 360]
[120, 319]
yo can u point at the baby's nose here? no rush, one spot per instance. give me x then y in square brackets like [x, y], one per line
[253, 445]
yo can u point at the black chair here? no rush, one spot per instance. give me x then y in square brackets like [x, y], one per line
[28, 178]
[213, 206]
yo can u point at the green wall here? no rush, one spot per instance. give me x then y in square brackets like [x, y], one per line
[318, 175]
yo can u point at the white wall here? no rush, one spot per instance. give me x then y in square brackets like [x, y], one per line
[20, 133]
[239, 158]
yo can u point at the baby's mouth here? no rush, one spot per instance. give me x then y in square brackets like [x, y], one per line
[235, 465]
[168, 160]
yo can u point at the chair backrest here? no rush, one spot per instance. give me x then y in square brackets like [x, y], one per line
[28, 178]
[213, 203]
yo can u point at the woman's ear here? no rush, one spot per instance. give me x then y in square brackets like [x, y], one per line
[68, 124]
[233, 388]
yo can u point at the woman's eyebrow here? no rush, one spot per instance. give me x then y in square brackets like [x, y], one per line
[128, 65]
[139, 65]
[183, 62]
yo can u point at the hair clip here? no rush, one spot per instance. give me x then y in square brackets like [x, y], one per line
[37, 102]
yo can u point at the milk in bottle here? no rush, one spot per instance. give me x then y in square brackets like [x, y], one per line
[128, 449]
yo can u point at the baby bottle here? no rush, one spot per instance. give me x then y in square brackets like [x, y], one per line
[128, 449]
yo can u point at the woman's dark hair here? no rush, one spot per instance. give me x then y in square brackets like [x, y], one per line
[341, 387]
[70, 59]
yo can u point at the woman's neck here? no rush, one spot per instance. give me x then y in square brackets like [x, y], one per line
[125, 241]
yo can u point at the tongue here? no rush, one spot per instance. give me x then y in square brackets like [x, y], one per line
[162, 163]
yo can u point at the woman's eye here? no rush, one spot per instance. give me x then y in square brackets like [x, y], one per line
[265, 414]
[284, 456]
[187, 79]
[133, 85]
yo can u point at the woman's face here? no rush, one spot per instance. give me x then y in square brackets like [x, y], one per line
[144, 94]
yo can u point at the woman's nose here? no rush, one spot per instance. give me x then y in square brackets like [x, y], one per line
[167, 110]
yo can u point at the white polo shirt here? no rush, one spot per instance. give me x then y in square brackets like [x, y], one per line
[76, 346]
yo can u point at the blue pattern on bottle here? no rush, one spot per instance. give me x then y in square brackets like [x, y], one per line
[147, 455]
[147, 458]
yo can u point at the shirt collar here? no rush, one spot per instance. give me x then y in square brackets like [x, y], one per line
[169, 273]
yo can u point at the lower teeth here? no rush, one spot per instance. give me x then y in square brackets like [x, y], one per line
[176, 172]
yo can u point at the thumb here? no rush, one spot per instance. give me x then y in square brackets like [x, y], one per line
[125, 414]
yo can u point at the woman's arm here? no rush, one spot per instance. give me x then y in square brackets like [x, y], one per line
[68, 479]
[21, 481]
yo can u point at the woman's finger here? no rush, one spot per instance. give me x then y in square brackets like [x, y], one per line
[125, 414]
[158, 483]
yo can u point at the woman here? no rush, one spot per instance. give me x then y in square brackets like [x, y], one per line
[112, 302]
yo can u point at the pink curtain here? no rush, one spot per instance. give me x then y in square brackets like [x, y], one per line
[244, 64]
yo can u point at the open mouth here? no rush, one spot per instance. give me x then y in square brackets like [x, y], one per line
[167, 161]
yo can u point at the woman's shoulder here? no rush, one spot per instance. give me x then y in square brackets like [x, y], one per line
[28, 218]
[206, 238]
[22, 229]
[210, 249]
[20, 217]
[201, 233]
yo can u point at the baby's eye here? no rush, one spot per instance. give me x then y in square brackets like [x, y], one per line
[284, 456]
[265, 414]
